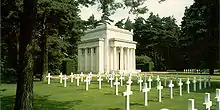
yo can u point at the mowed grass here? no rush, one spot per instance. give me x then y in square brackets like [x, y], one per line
[56, 97]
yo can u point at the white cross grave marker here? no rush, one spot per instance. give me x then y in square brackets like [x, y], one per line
[217, 99]
[71, 76]
[151, 75]
[138, 76]
[177, 77]
[149, 81]
[100, 82]
[90, 74]
[130, 74]
[107, 77]
[81, 75]
[127, 94]
[140, 83]
[188, 82]
[159, 88]
[165, 81]
[61, 77]
[145, 79]
[129, 82]
[171, 77]
[116, 83]
[194, 83]
[209, 81]
[121, 79]
[65, 78]
[90, 77]
[111, 80]
[180, 86]
[113, 73]
[77, 79]
[158, 79]
[48, 76]
[145, 90]
[171, 85]
[191, 105]
[98, 75]
[200, 82]
[87, 83]
[205, 80]
[207, 102]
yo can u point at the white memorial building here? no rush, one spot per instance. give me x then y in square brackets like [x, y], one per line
[106, 49]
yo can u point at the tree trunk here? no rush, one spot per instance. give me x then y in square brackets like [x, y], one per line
[43, 58]
[43, 53]
[24, 92]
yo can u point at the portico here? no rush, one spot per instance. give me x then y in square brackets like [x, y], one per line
[106, 49]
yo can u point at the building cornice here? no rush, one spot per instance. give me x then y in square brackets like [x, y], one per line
[122, 40]
[110, 28]
[91, 40]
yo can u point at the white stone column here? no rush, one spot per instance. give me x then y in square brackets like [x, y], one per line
[114, 55]
[134, 60]
[106, 53]
[97, 59]
[131, 60]
[79, 59]
[125, 60]
[100, 59]
[111, 59]
[92, 52]
[86, 58]
[128, 59]
[121, 59]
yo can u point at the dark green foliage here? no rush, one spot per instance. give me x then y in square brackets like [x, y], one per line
[120, 23]
[128, 24]
[91, 23]
[68, 66]
[200, 35]
[11, 10]
[157, 38]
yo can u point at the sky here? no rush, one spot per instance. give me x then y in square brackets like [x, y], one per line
[167, 8]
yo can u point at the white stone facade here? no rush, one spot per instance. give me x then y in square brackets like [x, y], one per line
[106, 49]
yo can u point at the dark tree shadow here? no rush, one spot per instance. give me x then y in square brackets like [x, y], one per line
[41, 103]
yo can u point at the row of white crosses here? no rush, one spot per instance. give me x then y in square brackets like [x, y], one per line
[63, 77]
[129, 82]
[207, 103]
[108, 77]
[89, 78]
[171, 85]
[192, 70]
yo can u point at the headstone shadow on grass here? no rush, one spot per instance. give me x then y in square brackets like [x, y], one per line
[40, 103]
[136, 104]
[108, 93]
[114, 108]
[151, 100]
[80, 89]
[2, 90]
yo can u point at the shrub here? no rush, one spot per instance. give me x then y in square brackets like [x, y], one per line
[144, 63]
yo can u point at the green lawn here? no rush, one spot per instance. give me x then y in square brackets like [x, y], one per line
[56, 97]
